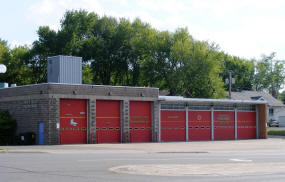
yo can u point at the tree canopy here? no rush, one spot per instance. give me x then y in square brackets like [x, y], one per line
[124, 52]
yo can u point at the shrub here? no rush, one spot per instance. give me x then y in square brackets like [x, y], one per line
[277, 132]
[8, 128]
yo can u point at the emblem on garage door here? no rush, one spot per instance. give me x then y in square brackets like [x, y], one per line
[73, 123]
[199, 117]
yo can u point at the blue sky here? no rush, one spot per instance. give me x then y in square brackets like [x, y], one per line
[244, 28]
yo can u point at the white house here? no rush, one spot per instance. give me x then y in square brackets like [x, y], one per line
[275, 108]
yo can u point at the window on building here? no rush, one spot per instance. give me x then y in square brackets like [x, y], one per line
[271, 111]
[246, 107]
[199, 107]
[224, 107]
[173, 106]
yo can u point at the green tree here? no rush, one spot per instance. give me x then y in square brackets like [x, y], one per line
[121, 52]
[194, 68]
[154, 67]
[45, 46]
[87, 74]
[243, 72]
[281, 97]
[75, 27]
[14, 59]
[278, 78]
[101, 49]
[269, 75]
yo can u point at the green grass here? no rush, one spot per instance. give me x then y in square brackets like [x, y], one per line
[1, 148]
[277, 132]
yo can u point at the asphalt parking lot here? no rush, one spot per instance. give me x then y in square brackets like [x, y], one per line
[243, 160]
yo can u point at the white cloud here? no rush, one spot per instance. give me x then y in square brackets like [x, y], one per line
[170, 6]
[50, 12]
[242, 28]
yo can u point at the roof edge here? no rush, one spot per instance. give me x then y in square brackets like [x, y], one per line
[211, 101]
[86, 85]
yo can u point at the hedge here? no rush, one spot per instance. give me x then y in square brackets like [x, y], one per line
[277, 132]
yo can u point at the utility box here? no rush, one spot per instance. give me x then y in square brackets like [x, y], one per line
[64, 69]
[28, 138]
[4, 85]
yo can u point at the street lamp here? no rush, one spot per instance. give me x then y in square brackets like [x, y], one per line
[3, 68]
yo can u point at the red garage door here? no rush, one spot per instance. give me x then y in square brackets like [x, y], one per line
[108, 129]
[246, 125]
[73, 121]
[172, 125]
[199, 127]
[140, 121]
[224, 125]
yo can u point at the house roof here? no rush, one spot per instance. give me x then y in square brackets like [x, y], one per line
[256, 95]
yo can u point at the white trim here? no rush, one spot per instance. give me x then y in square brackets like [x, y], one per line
[210, 101]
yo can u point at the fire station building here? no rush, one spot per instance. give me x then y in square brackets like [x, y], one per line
[60, 112]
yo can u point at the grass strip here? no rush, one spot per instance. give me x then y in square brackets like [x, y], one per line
[277, 132]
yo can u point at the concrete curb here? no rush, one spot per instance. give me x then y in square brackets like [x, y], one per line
[3, 151]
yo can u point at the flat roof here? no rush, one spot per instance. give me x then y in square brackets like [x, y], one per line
[209, 101]
[83, 85]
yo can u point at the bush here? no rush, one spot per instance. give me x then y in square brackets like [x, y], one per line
[8, 128]
[277, 132]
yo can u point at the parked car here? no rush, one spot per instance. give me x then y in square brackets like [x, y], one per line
[273, 123]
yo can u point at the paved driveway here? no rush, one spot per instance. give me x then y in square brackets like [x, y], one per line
[244, 160]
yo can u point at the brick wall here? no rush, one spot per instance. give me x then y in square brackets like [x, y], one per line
[126, 121]
[52, 131]
[92, 121]
[28, 113]
[155, 122]
[32, 104]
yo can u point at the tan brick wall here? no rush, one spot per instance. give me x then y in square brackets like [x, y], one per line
[32, 104]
